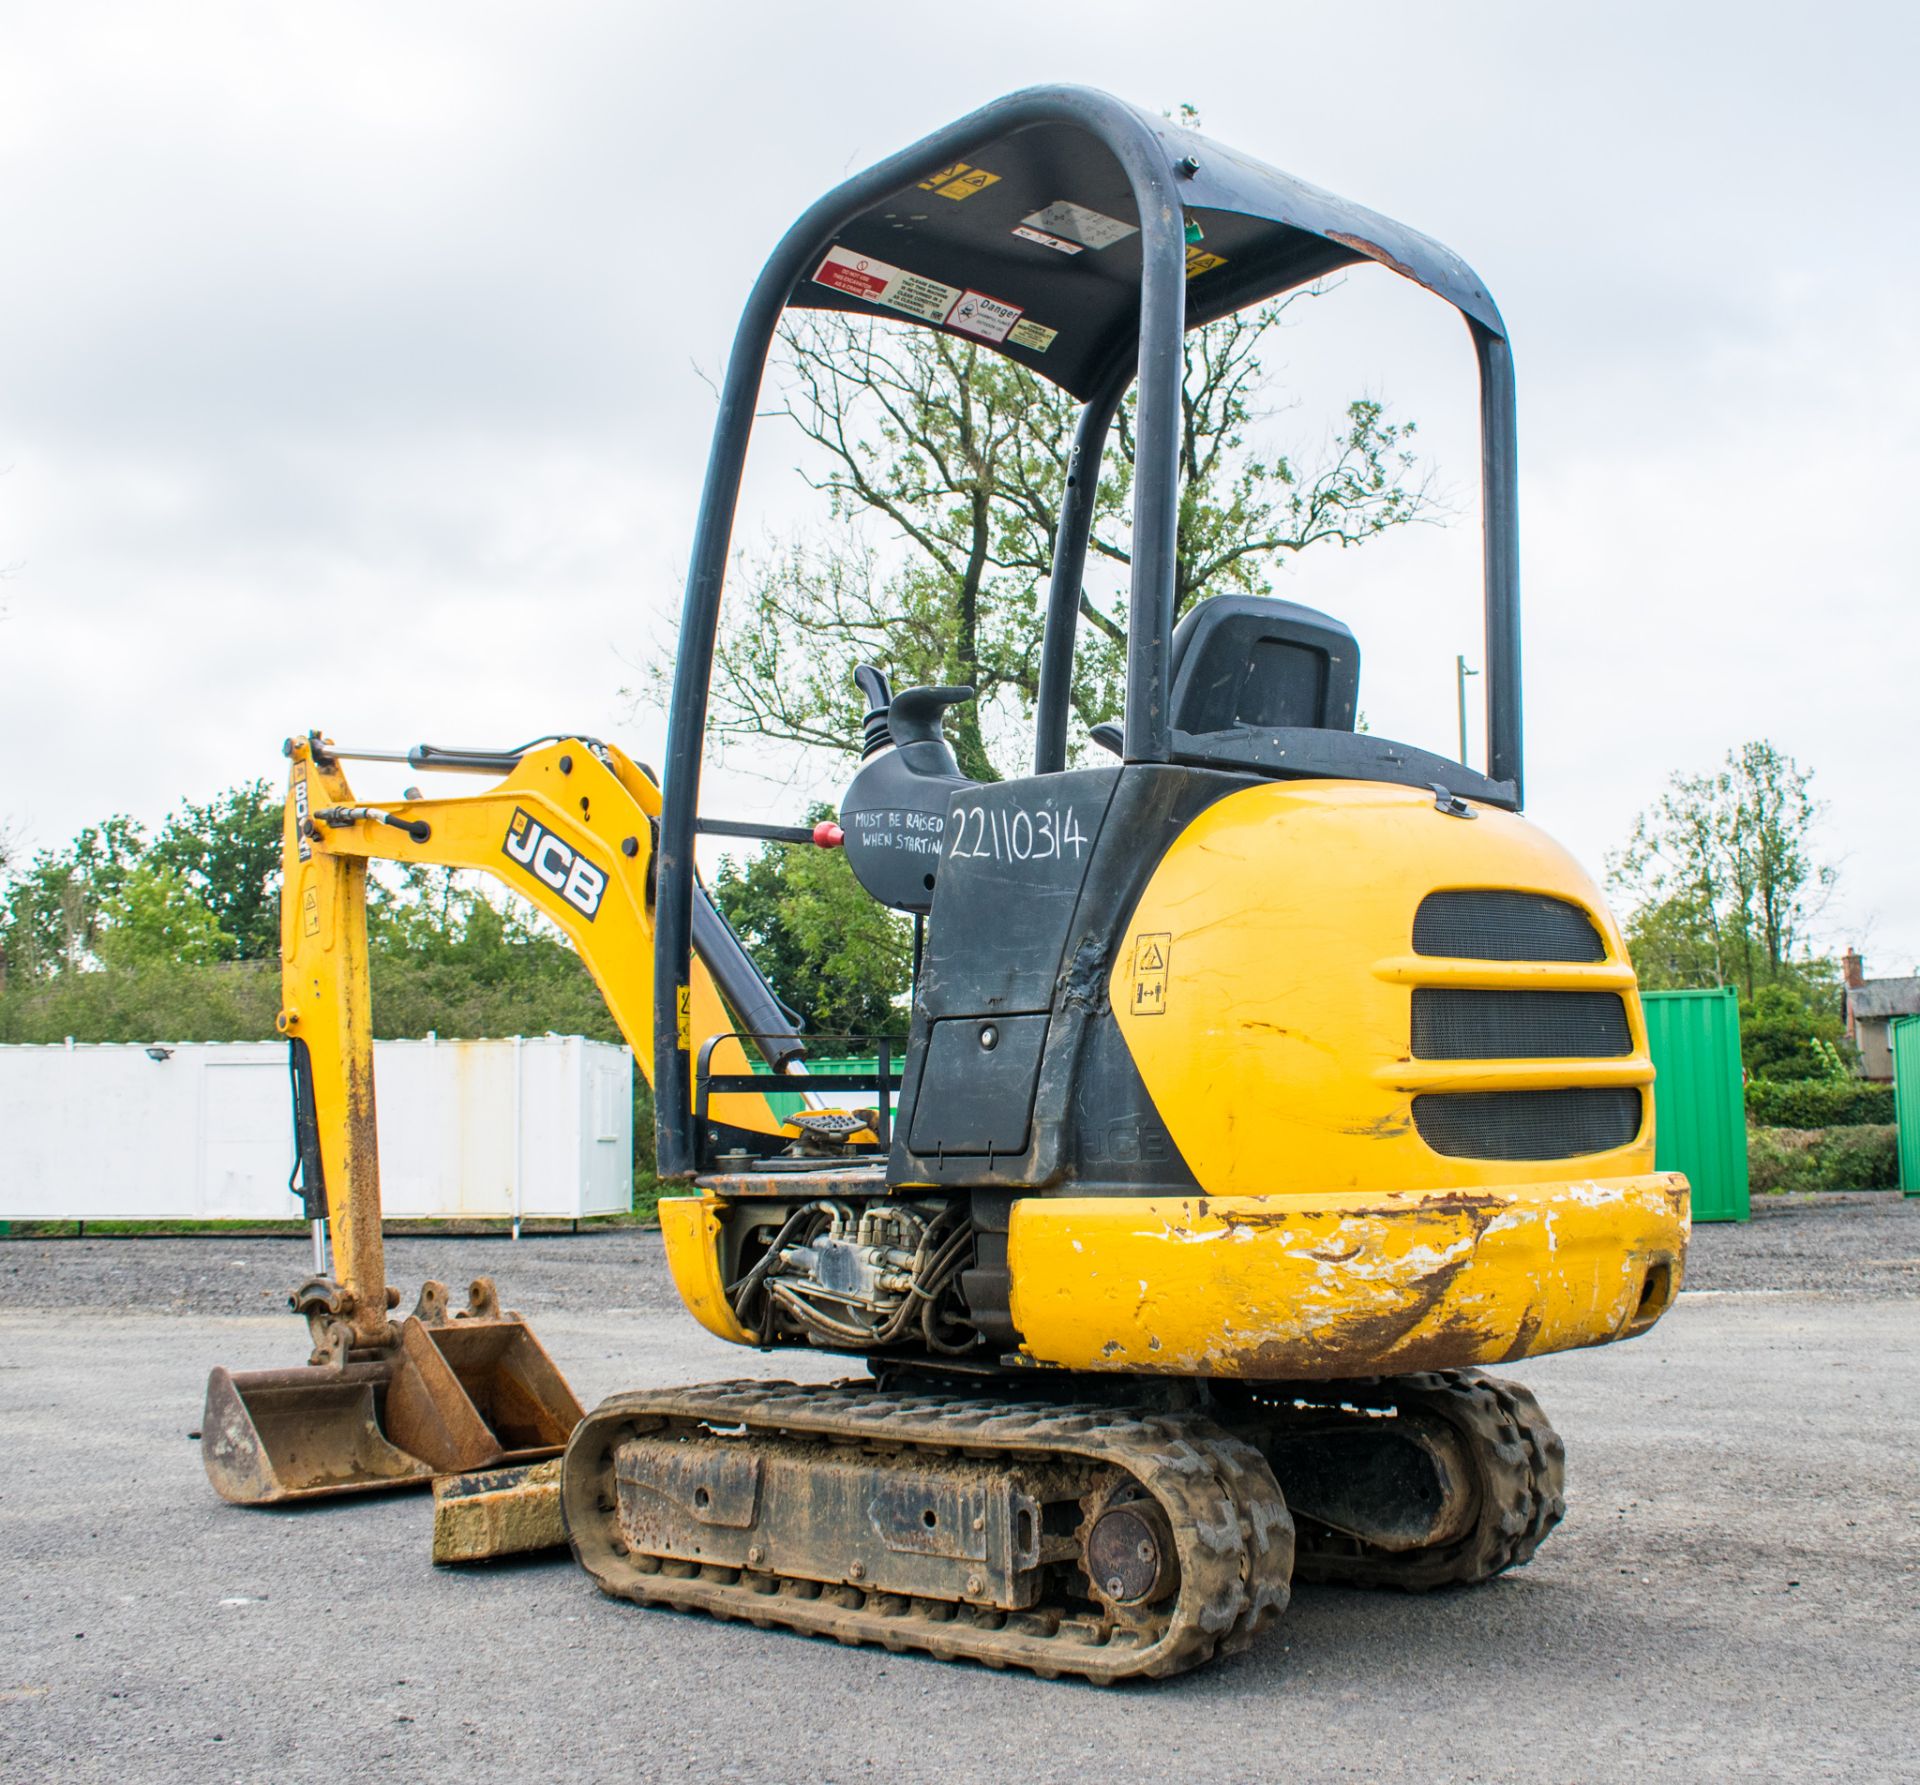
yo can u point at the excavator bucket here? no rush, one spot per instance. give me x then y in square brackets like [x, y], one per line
[478, 1394]
[474, 1392]
[270, 1436]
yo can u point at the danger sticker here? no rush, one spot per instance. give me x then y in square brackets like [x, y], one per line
[1091, 229]
[986, 317]
[959, 181]
[1059, 244]
[861, 276]
[1200, 261]
[1031, 336]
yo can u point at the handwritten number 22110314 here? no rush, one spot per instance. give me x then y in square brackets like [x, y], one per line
[987, 833]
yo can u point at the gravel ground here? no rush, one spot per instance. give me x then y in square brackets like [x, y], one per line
[1864, 1245]
[1735, 1592]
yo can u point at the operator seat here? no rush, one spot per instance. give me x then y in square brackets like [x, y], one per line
[1241, 660]
[1253, 660]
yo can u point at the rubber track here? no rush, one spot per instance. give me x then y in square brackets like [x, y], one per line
[1522, 1468]
[1231, 1529]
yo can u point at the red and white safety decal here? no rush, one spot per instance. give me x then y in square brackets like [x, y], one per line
[856, 274]
[879, 282]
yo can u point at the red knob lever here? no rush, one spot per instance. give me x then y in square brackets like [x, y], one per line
[828, 835]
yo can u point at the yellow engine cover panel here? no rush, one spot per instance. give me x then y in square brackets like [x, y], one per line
[1265, 985]
[690, 1227]
[1272, 1288]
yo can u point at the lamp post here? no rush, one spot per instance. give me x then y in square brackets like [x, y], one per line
[1460, 674]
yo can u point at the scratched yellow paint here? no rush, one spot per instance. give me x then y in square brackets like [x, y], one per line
[690, 1225]
[1305, 1286]
[1276, 1047]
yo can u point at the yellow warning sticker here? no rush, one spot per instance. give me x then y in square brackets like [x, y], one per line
[1032, 336]
[310, 912]
[685, 1024]
[959, 181]
[1200, 261]
[1151, 955]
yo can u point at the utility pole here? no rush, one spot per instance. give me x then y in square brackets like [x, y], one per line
[1460, 674]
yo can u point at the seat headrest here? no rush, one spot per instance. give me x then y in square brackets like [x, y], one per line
[1253, 660]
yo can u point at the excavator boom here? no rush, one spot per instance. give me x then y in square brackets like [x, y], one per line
[569, 826]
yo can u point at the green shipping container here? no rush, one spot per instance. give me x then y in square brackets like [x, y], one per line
[1699, 1105]
[1906, 1099]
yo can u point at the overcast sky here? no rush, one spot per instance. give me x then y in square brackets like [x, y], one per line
[351, 365]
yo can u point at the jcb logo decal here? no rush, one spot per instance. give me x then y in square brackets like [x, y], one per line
[558, 864]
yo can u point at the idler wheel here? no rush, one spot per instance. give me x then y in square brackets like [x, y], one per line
[1130, 1558]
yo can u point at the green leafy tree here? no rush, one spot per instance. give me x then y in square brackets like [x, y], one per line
[831, 953]
[158, 917]
[944, 465]
[229, 850]
[447, 957]
[54, 909]
[1787, 1033]
[1720, 877]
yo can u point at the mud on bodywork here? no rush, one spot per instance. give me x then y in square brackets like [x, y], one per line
[1323, 1288]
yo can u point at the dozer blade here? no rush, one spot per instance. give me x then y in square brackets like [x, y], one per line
[270, 1436]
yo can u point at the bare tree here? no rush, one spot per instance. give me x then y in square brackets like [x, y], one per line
[944, 464]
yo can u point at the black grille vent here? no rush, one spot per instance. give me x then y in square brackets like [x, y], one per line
[1501, 925]
[1527, 1124]
[1451, 1024]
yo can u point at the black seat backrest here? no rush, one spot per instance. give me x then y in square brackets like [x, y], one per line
[1253, 660]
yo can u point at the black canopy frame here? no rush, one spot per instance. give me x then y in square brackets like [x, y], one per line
[1100, 280]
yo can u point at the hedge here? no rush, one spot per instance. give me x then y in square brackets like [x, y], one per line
[1818, 1103]
[1860, 1157]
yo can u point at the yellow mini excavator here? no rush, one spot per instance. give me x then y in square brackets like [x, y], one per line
[1265, 1078]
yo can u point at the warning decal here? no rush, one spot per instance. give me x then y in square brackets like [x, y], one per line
[1151, 954]
[855, 274]
[984, 316]
[959, 181]
[1032, 336]
[1200, 261]
[920, 297]
[861, 276]
[1046, 241]
[1091, 229]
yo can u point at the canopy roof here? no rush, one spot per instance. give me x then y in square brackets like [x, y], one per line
[1029, 243]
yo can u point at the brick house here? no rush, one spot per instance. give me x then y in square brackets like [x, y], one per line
[1872, 1004]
